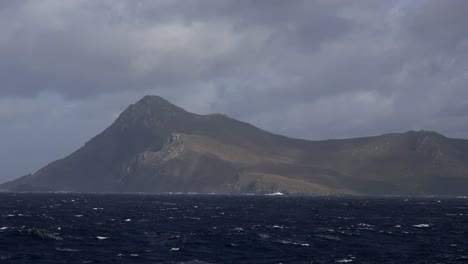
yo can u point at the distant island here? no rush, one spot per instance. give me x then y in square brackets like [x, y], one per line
[157, 147]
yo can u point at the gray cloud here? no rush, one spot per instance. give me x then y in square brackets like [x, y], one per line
[310, 69]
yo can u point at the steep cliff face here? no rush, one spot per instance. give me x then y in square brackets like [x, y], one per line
[155, 146]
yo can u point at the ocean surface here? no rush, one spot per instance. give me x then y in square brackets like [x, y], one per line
[92, 228]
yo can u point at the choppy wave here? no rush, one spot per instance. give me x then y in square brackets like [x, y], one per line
[40, 233]
[78, 228]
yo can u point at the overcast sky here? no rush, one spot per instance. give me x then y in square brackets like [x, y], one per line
[308, 69]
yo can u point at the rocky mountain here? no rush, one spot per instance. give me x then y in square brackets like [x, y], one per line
[155, 146]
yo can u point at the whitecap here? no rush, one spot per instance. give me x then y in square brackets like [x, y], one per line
[4, 228]
[192, 218]
[344, 261]
[128, 220]
[175, 249]
[422, 225]
[102, 237]
[134, 255]
[364, 226]
[276, 194]
[288, 242]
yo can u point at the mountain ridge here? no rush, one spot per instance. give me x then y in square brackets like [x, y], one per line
[155, 146]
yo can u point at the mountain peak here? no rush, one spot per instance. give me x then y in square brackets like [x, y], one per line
[154, 104]
[152, 99]
[150, 110]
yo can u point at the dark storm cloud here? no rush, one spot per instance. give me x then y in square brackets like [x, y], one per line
[311, 69]
[82, 48]
[440, 23]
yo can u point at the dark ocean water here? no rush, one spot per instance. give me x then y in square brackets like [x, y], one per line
[78, 228]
